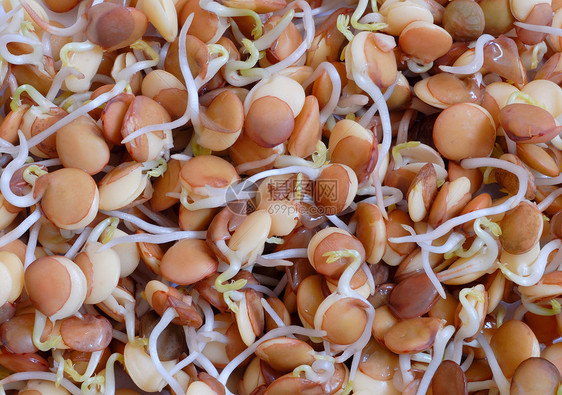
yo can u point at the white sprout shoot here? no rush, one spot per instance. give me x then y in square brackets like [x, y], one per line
[20, 230]
[47, 376]
[43, 104]
[110, 372]
[38, 327]
[127, 73]
[192, 108]
[98, 101]
[441, 341]
[335, 80]
[537, 268]
[62, 75]
[90, 368]
[484, 259]
[555, 31]
[358, 13]
[478, 60]
[166, 319]
[31, 244]
[509, 203]
[147, 227]
[268, 38]
[499, 378]
[155, 238]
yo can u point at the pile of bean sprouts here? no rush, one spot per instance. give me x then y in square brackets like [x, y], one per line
[274, 197]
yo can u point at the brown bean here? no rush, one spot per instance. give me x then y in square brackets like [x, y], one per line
[30, 362]
[521, 228]
[502, 342]
[285, 354]
[463, 131]
[412, 335]
[88, 334]
[449, 379]
[526, 123]
[269, 122]
[535, 376]
[413, 297]
[112, 27]
[188, 261]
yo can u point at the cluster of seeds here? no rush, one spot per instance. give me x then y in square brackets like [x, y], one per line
[270, 197]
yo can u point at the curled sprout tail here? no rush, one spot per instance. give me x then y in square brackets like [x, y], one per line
[492, 226]
[96, 380]
[229, 290]
[142, 45]
[398, 160]
[343, 26]
[73, 47]
[534, 308]
[107, 234]
[515, 96]
[319, 157]
[40, 321]
[358, 13]
[37, 97]
[344, 283]
[157, 168]
[197, 149]
[32, 173]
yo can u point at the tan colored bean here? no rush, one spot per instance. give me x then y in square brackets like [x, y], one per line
[167, 90]
[526, 123]
[449, 379]
[307, 131]
[205, 23]
[327, 43]
[332, 239]
[69, 197]
[412, 335]
[113, 115]
[222, 122]
[34, 122]
[150, 146]
[61, 6]
[202, 172]
[501, 56]
[285, 354]
[309, 296]
[335, 188]
[413, 297]
[113, 27]
[394, 253]
[352, 145]
[56, 286]
[463, 131]
[141, 369]
[510, 357]
[371, 231]
[162, 15]
[80, 144]
[521, 228]
[450, 200]
[425, 41]
[188, 261]
[510, 181]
